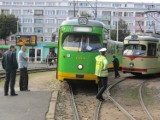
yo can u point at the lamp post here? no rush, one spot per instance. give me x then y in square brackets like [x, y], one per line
[117, 29]
[17, 27]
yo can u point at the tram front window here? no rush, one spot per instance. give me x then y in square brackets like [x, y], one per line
[81, 42]
[137, 50]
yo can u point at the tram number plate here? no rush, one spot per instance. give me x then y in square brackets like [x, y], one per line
[79, 76]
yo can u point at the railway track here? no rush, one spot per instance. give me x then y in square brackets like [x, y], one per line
[121, 108]
[30, 71]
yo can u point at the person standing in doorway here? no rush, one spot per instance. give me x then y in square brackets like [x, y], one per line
[10, 65]
[23, 64]
[116, 66]
[101, 72]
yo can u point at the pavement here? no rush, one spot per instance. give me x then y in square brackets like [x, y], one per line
[33, 105]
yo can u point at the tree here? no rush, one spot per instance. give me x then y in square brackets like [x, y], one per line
[122, 31]
[8, 26]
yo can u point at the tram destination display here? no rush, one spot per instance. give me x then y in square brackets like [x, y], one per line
[28, 40]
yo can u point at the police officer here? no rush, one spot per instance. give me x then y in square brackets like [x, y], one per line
[101, 72]
[9, 64]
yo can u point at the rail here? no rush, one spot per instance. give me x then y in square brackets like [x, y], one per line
[75, 111]
[116, 103]
[142, 101]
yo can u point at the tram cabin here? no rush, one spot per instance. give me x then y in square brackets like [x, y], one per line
[141, 55]
[78, 44]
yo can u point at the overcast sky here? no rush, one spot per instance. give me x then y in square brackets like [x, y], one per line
[140, 1]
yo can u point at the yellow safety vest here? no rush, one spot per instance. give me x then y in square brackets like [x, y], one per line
[99, 66]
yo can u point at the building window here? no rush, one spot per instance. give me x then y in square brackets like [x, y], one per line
[139, 14]
[38, 21]
[39, 4]
[116, 5]
[18, 3]
[130, 23]
[27, 29]
[28, 3]
[27, 20]
[6, 3]
[71, 12]
[27, 12]
[128, 14]
[61, 12]
[150, 23]
[49, 30]
[106, 13]
[50, 21]
[139, 23]
[38, 30]
[50, 3]
[59, 21]
[49, 12]
[83, 4]
[38, 12]
[16, 12]
[5, 11]
[138, 6]
[116, 14]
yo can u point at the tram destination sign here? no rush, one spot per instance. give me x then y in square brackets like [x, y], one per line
[28, 40]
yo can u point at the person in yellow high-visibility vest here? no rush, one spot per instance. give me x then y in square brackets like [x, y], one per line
[101, 72]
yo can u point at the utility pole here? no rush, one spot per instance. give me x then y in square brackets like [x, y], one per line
[74, 7]
[96, 9]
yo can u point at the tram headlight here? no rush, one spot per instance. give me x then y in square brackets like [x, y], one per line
[131, 65]
[80, 67]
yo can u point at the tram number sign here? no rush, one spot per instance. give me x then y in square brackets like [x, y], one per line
[28, 40]
[82, 20]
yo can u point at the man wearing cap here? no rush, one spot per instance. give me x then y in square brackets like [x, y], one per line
[101, 72]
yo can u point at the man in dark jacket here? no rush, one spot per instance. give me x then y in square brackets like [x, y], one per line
[10, 65]
[116, 66]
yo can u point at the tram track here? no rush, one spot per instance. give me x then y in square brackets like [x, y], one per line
[30, 71]
[121, 108]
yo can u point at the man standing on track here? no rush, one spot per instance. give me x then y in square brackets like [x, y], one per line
[10, 65]
[101, 72]
[23, 64]
[116, 66]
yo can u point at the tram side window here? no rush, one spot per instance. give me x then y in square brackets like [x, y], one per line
[152, 49]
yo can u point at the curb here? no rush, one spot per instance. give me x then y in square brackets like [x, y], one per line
[52, 107]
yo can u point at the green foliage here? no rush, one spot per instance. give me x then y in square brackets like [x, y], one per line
[122, 31]
[8, 25]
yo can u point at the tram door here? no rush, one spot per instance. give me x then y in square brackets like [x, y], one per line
[35, 55]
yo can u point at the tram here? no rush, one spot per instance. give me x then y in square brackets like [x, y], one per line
[141, 54]
[116, 48]
[78, 43]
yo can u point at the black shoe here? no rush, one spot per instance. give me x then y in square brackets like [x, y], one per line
[14, 94]
[5, 94]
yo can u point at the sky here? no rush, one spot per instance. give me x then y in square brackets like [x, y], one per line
[139, 1]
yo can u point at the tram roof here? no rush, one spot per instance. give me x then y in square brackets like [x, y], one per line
[144, 38]
[74, 22]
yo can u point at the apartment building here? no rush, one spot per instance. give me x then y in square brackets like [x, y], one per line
[42, 18]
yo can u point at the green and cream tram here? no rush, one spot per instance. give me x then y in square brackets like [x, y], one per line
[141, 55]
[78, 43]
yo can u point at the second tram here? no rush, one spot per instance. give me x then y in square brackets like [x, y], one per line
[141, 54]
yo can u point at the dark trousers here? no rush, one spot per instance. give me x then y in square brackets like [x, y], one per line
[10, 80]
[116, 72]
[102, 85]
[23, 82]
